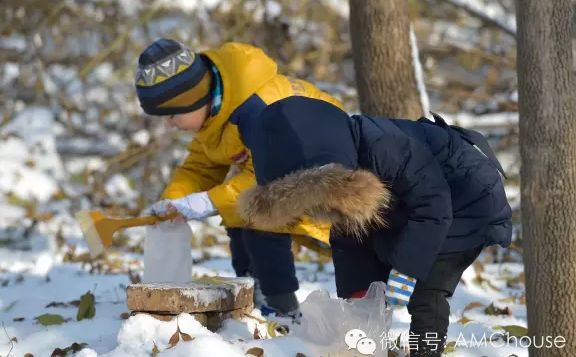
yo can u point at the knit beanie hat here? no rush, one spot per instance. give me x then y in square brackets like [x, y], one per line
[172, 79]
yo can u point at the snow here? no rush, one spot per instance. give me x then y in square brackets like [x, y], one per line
[419, 74]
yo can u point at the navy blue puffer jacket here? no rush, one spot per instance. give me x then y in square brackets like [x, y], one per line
[446, 194]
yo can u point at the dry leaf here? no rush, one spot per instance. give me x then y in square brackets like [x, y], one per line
[186, 337]
[14, 339]
[513, 330]
[271, 329]
[450, 347]
[174, 339]
[87, 308]
[473, 305]
[50, 319]
[74, 303]
[257, 334]
[28, 355]
[511, 299]
[18, 319]
[75, 347]
[495, 311]
[255, 351]
[155, 350]
[522, 299]
[300, 354]
[464, 320]
[125, 315]
[58, 352]
[56, 304]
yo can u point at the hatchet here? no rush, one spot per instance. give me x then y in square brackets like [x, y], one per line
[99, 229]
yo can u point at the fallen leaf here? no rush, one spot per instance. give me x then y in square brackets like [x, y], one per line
[18, 319]
[255, 351]
[155, 350]
[257, 334]
[50, 319]
[186, 337]
[125, 315]
[479, 266]
[174, 339]
[513, 330]
[495, 311]
[450, 347]
[28, 355]
[283, 329]
[522, 299]
[75, 347]
[300, 354]
[87, 309]
[473, 305]
[464, 320]
[5, 282]
[74, 303]
[271, 329]
[58, 352]
[511, 299]
[56, 304]
[14, 339]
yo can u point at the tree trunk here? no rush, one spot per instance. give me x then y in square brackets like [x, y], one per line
[383, 59]
[547, 102]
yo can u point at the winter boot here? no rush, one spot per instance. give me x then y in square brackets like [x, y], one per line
[282, 305]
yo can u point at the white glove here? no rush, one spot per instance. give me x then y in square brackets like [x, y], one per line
[196, 206]
[157, 208]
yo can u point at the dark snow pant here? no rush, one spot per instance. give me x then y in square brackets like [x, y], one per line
[268, 258]
[356, 266]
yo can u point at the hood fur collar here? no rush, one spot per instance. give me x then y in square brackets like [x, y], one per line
[352, 201]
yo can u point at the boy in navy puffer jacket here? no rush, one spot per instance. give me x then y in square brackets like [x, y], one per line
[412, 203]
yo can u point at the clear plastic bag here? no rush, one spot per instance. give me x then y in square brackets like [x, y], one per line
[338, 327]
[167, 253]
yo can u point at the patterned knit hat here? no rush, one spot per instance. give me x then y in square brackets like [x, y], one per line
[172, 79]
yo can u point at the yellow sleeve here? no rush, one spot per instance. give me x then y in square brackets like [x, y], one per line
[307, 89]
[196, 174]
[225, 196]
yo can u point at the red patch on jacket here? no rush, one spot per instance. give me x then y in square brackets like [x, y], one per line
[241, 157]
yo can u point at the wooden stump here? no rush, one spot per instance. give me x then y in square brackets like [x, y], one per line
[210, 300]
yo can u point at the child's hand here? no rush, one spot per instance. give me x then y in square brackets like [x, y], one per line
[179, 218]
[163, 208]
[196, 206]
[399, 289]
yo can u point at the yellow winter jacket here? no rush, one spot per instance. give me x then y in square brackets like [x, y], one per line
[250, 82]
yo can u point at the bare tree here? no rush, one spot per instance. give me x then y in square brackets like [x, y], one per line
[383, 58]
[548, 151]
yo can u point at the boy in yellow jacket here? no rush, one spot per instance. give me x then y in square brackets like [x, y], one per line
[213, 94]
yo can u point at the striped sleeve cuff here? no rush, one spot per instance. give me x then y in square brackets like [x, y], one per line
[399, 288]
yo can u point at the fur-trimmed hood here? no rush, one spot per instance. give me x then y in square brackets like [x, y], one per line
[352, 201]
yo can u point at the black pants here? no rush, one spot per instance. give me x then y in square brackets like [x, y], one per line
[356, 266]
[265, 256]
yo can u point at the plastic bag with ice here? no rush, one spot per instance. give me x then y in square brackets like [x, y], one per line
[346, 327]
